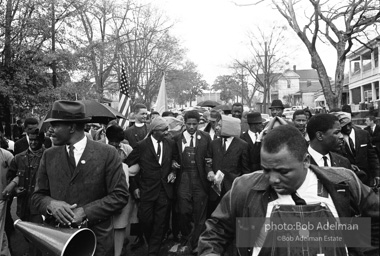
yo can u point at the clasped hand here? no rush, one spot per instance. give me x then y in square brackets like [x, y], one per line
[65, 213]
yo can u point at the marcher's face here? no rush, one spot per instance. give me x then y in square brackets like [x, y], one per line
[347, 129]
[191, 125]
[213, 124]
[30, 127]
[307, 115]
[368, 122]
[333, 138]
[61, 133]
[237, 112]
[34, 142]
[276, 112]
[218, 128]
[300, 122]
[284, 172]
[160, 134]
[256, 127]
[142, 115]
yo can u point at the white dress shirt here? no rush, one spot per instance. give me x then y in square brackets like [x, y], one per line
[78, 149]
[253, 136]
[318, 157]
[155, 145]
[187, 140]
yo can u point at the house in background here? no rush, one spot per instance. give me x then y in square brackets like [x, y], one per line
[364, 76]
[297, 87]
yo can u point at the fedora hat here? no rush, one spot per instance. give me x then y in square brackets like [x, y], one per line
[276, 104]
[68, 111]
[213, 115]
[255, 118]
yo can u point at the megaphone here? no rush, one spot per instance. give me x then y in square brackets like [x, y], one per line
[59, 241]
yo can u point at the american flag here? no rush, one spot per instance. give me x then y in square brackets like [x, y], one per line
[124, 99]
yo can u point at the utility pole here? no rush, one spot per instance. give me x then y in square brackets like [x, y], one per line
[54, 62]
[242, 85]
[266, 77]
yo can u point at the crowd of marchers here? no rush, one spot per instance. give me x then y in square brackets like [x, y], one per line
[194, 179]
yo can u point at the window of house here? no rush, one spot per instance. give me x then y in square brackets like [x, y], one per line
[288, 83]
[308, 83]
[368, 96]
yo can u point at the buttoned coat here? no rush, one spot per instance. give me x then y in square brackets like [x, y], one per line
[152, 175]
[98, 184]
[253, 152]
[202, 143]
[375, 137]
[233, 163]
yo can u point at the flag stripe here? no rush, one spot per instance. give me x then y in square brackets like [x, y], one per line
[124, 100]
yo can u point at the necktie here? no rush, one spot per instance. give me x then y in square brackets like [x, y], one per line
[158, 150]
[191, 141]
[71, 156]
[225, 145]
[325, 161]
[256, 137]
[298, 200]
[352, 146]
[215, 136]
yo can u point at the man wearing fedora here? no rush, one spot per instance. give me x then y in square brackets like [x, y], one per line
[80, 181]
[255, 122]
[276, 108]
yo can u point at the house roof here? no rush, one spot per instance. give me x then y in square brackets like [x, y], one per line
[364, 48]
[307, 74]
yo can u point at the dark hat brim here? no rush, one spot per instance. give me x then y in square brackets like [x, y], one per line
[257, 122]
[276, 107]
[82, 120]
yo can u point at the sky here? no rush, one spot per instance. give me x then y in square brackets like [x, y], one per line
[214, 32]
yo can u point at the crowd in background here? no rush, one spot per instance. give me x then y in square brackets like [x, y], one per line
[177, 167]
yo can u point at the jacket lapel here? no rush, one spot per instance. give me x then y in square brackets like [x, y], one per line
[179, 145]
[232, 145]
[85, 158]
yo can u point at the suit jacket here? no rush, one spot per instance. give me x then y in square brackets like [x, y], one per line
[22, 144]
[152, 175]
[365, 158]
[98, 185]
[253, 151]
[336, 161]
[233, 163]
[201, 149]
[375, 137]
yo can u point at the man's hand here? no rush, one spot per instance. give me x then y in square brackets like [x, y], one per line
[208, 161]
[175, 164]
[171, 177]
[8, 190]
[62, 211]
[211, 176]
[136, 193]
[80, 215]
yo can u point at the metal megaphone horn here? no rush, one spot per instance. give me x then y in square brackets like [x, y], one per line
[59, 241]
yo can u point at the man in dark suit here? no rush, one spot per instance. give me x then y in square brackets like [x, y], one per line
[229, 156]
[358, 148]
[325, 137]
[154, 155]
[255, 122]
[192, 186]
[374, 130]
[80, 181]
[6, 129]
[23, 143]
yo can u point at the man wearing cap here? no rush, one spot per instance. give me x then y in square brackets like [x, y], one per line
[154, 156]
[210, 127]
[358, 149]
[229, 156]
[80, 181]
[255, 122]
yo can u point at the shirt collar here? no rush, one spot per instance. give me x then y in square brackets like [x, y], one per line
[154, 140]
[139, 124]
[316, 155]
[80, 145]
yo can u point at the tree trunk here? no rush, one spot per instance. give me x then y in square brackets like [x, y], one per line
[7, 40]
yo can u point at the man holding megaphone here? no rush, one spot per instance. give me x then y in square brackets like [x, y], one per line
[80, 181]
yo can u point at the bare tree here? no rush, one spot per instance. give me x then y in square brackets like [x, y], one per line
[340, 23]
[267, 57]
